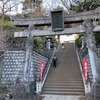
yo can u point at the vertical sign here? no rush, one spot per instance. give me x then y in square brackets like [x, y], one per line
[57, 20]
[85, 65]
[41, 70]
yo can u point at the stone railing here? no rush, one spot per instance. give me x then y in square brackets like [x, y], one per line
[90, 76]
[90, 87]
[37, 59]
[47, 68]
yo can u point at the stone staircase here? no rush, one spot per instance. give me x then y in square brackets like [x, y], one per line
[66, 78]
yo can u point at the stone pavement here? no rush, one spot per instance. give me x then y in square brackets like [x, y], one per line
[59, 97]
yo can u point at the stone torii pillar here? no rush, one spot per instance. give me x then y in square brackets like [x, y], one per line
[28, 57]
[22, 91]
[83, 41]
[93, 55]
[48, 44]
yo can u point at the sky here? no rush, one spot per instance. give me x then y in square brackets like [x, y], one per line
[54, 1]
[16, 9]
[47, 4]
[50, 3]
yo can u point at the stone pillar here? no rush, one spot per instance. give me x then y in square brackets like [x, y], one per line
[59, 38]
[83, 41]
[22, 89]
[93, 55]
[48, 44]
[94, 61]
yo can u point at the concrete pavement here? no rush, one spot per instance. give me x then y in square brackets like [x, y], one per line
[59, 97]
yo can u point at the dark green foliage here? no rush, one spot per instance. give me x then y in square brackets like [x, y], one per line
[39, 44]
[8, 24]
[6, 17]
[76, 8]
[85, 6]
[78, 41]
[97, 37]
[27, 4]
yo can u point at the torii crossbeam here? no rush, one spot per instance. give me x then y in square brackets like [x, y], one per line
[67, 31]
[46, 20]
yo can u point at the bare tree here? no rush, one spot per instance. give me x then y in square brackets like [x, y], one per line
[6, 6]
[66, 4]
[48, 4]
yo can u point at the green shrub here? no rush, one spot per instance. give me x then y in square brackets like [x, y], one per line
[8, 25]
[39, 44]
[97, 37]
[78, 41]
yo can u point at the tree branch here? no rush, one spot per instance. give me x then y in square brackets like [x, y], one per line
[0, 6]
[9, 9]
[4, 3]
[63, 2]
[47, 3]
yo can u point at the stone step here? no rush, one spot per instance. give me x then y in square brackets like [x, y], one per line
[63, 78]
[63, 89]
[64, 81]
[64, 84]
[66, 78]
[68, 87]
[62, 93]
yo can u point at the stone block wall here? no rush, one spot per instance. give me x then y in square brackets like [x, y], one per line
[36, 60]
[13, 65]
[98, 53]
[89, 67]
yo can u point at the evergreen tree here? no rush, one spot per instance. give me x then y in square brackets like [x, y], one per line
[30, 4]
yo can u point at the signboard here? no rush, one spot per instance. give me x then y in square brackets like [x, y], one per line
[57, 20]
[85, 65]
[41, 70]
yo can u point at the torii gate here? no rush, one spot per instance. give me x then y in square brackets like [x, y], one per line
[46, 20]
[87, 28]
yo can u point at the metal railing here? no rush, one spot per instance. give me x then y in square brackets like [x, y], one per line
[86, 85]
[47, 68]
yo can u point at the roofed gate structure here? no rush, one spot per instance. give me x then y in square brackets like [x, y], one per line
[87, 29]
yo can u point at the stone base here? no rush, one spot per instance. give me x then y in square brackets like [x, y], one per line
[95, 92]
[94, 95]
[21, 94]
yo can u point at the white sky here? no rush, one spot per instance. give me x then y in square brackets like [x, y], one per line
[49, 4]
[64, 38]
[16, 8]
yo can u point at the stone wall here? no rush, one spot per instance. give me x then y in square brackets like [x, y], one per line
[90, 76]
[13, 65]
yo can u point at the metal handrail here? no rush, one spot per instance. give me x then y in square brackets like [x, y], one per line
[48, 67]
[82, 71]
